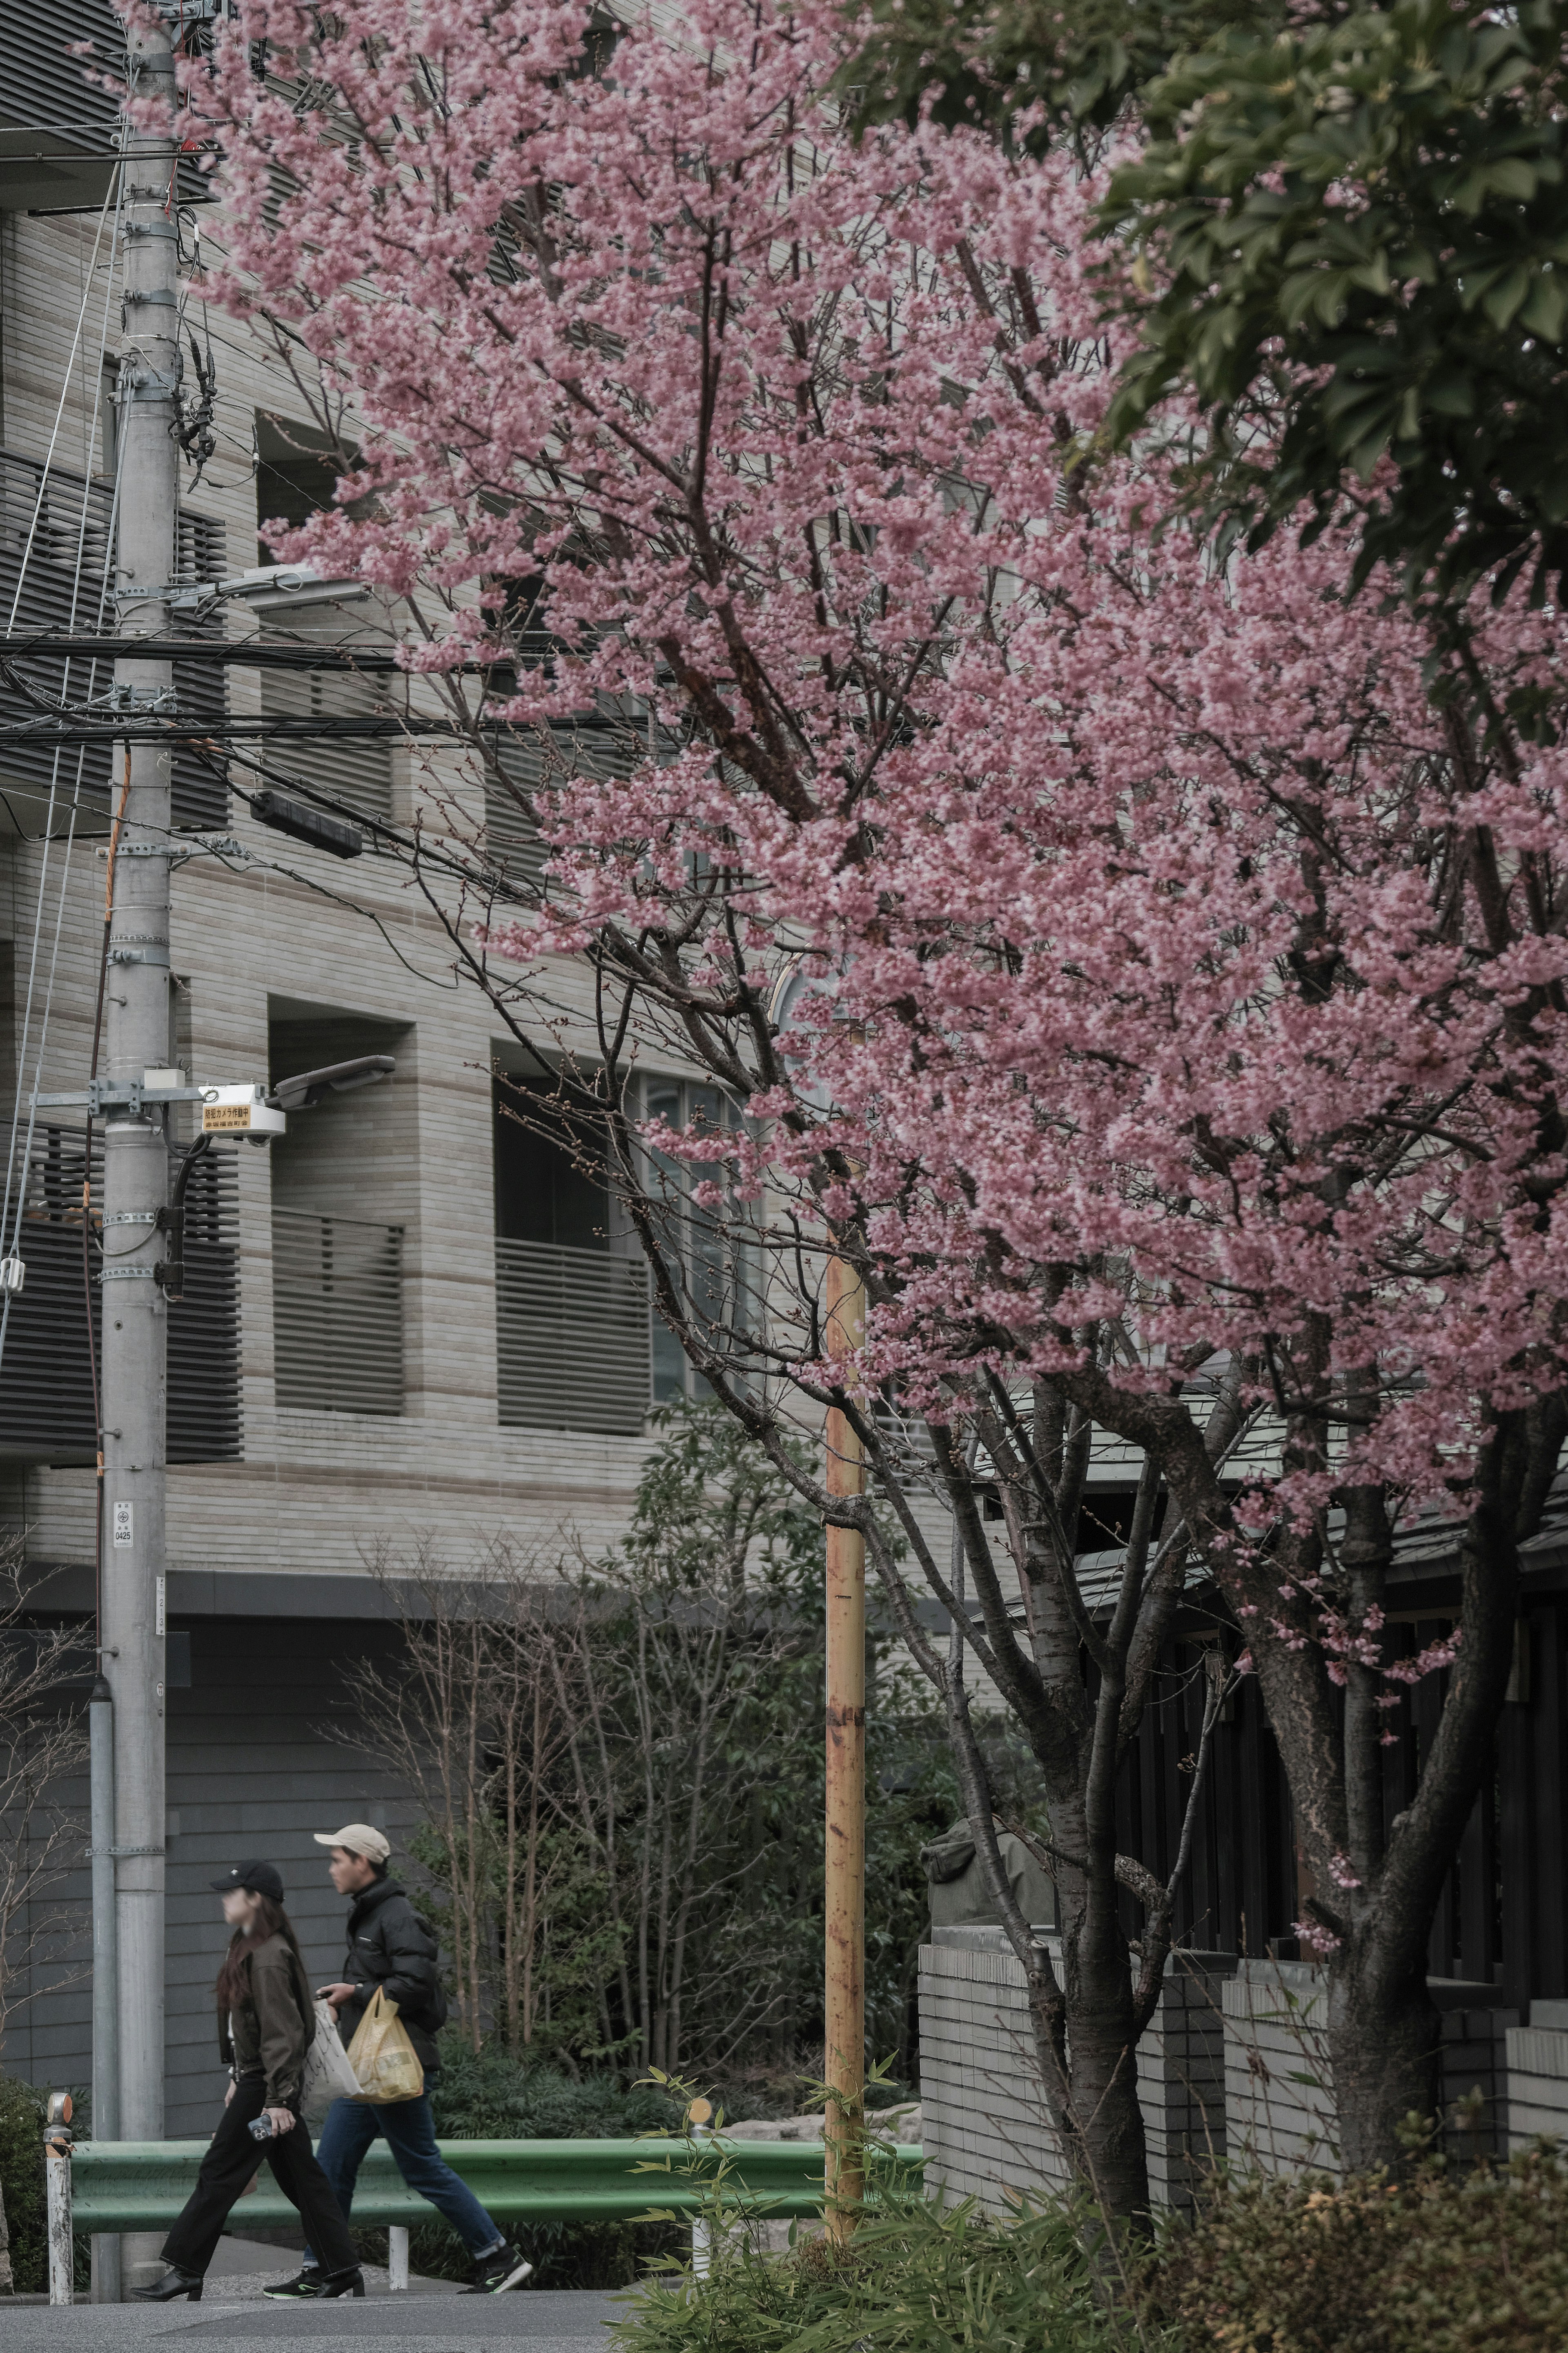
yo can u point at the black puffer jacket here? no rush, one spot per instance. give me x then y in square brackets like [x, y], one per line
[390, 1946]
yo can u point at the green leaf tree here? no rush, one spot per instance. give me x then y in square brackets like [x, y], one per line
[1352, 240]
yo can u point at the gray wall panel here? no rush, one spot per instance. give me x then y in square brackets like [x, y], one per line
[252, 1773]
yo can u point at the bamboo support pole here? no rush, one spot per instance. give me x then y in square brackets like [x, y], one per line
[845, 1878]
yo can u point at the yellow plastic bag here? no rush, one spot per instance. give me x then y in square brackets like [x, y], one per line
[386, 2063]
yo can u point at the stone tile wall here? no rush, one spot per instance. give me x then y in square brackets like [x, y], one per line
[983, 2126]
[1279, 2083]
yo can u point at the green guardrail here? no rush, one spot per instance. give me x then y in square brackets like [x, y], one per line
[142, 2185]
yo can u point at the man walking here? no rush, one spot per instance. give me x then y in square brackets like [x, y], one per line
[390, 1946]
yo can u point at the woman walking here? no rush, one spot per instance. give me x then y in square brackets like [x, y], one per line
[266, 2021]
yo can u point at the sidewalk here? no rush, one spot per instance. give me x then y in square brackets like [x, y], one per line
[234, 2317]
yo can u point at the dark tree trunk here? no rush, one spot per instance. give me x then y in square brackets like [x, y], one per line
[1384, 2045]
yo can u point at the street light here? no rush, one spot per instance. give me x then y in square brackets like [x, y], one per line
[251, 1113]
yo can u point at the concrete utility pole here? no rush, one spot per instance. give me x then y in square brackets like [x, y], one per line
[133, 1369]
[845, 1887]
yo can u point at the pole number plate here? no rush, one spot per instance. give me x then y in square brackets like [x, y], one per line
[124, 1526]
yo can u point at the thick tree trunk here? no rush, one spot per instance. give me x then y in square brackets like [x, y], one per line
[1384, 2045]
[1102, 2046]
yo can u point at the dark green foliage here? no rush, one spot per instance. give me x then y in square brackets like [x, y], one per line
[986, 60]
[490, 2095]
[919, 2278]
[22, 2184]
[1359, 239]
[678, 1839]
[563, 2254]
[1449, 2262]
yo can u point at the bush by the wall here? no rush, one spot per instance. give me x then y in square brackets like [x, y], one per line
[919, 2278]
[1448, 2261]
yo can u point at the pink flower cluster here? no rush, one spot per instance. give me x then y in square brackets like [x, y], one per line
[1195, 973]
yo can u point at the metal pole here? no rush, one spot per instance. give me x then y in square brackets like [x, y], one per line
[105, 1969]
[58, 2196]
[845, 1883]
[136, 1167]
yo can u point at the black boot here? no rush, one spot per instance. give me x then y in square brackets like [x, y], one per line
[351, 2283]
[175, 2283]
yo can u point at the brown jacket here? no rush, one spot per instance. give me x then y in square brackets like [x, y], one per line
[273, 2024]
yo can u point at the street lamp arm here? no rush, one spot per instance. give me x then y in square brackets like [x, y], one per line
[312, 1087]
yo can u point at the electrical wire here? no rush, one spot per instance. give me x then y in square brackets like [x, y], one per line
[12, 1230]
[112, 196]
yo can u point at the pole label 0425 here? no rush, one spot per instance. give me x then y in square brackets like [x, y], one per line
[124, 1526]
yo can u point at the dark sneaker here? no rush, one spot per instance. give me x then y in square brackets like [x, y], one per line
[495, 2272]
[305, 2288]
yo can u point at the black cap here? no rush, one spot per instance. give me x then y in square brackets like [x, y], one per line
[260, 1878]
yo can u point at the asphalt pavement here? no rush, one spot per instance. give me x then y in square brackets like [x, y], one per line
[560, 2321]
[232, 2316]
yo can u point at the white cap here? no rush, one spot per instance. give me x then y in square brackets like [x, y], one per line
[359, 1839]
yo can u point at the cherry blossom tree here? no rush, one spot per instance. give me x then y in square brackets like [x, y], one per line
[1183, 1060]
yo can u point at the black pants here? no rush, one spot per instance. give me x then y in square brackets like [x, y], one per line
[232, 2162]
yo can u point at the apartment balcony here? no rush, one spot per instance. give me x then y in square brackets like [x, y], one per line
[574, 1339]
[337, 1314]
[46, 1411]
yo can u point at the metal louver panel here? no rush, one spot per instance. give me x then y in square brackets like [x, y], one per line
[42, 529]
[512, 838]
[46, 1376]
[44, 91]
[57, 149]
[337, 1314]
[359, 773]
[573, 1338]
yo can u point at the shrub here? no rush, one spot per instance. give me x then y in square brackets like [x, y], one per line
[489, 2094]
[22, 2184]
[918, 2278]
[1447, 2262]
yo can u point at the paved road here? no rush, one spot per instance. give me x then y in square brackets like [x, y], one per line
[560, 2322]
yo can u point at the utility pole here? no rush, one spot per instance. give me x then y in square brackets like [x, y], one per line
[845, 1879]
[133, 1370]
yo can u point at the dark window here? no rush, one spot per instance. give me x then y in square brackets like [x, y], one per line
[547, 1190]
[296, 475]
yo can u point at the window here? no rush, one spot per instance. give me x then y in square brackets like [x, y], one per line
[571, 1296]
[713, 1269]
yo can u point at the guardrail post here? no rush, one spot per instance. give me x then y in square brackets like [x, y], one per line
[57, 2184]
[397, 2260]
[699, 2125]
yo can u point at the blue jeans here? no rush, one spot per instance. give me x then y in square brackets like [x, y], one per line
[348, 2132]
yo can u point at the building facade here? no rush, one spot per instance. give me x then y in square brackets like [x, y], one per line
[409, 1330]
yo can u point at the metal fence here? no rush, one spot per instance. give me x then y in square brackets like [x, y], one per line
[573, 1338]
[337, 1314]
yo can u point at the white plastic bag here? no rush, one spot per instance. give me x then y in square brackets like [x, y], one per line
[328, 2075]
